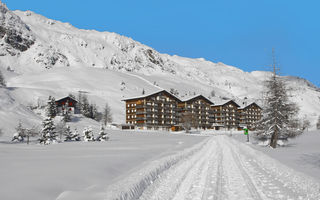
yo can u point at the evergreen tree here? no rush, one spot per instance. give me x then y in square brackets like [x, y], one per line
[66, 112]
[85, 106]
[93, 111]
[51, 109]
[318, 123]
[107, 115]
[103, 136]
[20, 133]
[68, 134]
[278, 113]
[2, 80]
[88, 134]
[48, 133]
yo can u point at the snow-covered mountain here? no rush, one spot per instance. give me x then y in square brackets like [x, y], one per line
[41, 57]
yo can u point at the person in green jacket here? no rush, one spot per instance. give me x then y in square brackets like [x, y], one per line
[246, 132]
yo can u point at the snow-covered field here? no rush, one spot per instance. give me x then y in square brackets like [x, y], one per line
[160, 165]
[301, 153]
[43, 172]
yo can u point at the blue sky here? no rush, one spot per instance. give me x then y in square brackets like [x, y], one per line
[238, 33]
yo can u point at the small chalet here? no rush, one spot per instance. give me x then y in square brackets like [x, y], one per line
[67, 103]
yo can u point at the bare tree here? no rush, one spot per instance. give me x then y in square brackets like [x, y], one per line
[318, 123]
[306, 124]
[278, 113]
[1, 132]
[2, 80]
[187, 120]
[107, 115]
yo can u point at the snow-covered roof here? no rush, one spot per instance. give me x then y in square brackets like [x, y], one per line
[248, 104]
[223, 102]
[61, 98]
[147, 95]
[196, 96]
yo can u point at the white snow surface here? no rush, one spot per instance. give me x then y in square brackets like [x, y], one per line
[158, 165]
[111, 67]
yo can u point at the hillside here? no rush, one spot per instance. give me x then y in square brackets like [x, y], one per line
[41, 57]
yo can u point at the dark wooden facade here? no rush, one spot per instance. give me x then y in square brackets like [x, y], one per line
[162, 110]
[199, 107]
[225, 115]
[249, 115]
[67, 103]
[155, 111]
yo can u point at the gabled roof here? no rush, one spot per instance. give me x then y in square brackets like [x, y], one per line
[152, 94]
[195, 97]
[226, 102]
[67, 97]
[253, 103]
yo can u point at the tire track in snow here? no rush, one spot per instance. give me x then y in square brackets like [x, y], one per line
[174, 180]
[246, 178]
[270, 179]
[214, 180]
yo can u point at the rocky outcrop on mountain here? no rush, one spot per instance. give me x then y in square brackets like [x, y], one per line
[15, 35]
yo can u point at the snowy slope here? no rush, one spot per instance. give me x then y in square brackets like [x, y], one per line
[61, 59]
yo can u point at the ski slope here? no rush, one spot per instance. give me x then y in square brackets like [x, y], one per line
[217, 168]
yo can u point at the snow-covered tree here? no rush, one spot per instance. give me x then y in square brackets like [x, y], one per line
[48, 132]
[2, 80]
[71, 136]
[88, 134]
[107, 115]
[318, 123]
[51, 109]
[66, 113]
[31, 133]
[103, 136]
[60, 128]
[306, 124]
[278, 112]
[20, 133]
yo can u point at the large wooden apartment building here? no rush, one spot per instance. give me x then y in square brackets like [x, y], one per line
[162, 110]
[154, 111]
[199, 109]
[225, 115]
[249, 115]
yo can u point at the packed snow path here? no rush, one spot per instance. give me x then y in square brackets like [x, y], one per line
[227, 169]
[219, 168]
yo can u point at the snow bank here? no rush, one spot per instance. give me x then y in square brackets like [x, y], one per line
[296, 181]
[133, 186]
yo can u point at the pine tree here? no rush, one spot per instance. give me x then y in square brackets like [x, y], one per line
[51, 108]
[278, 113]
[68, 134]
[318, 123]
[103, 136]
[85, 106]
[107, 115]
[66, 112]
[88, 134]
[2, 80]
[48, 133]
[20, 133]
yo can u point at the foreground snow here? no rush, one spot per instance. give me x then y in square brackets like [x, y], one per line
[150, 165]
[217, 168]
[40, 172]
